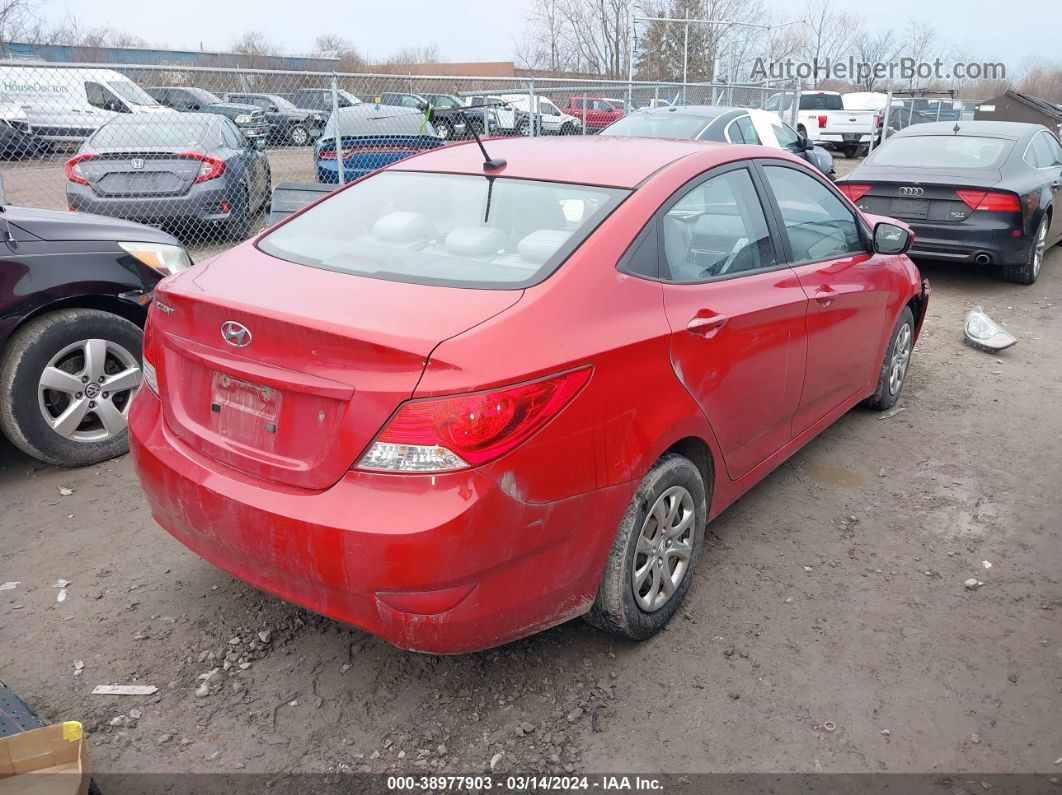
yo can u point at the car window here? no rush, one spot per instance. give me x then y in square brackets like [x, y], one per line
[1054, 148]
[787, 137]
[230, 134]
[99, 96]
[410, 101]
[817, 222]
[821, 102]
[942, 151]
[718, 229]
[657, 125]
[742, 131]
[163, 131]
[450, 229]
[1041, 153]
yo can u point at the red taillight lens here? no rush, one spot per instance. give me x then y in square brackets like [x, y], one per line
[439, 434]
[822, 122]
[210, 167]
[853, 192]
[150, 355]
[990, 201]
[73, 169]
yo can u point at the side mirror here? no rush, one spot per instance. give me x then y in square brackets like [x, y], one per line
[260, 143]
[271, 109]
[806, 143]
[891, 239]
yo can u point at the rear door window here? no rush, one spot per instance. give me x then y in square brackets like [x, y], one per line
[742, 131]
[818, 224]
[459, 230]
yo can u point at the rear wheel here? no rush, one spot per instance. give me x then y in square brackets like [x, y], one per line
[894, 367]
[655, 550]
[1029, 270]
[850, 151]
[524, 127]
[443, 129]
[241, 218]
[66, 382]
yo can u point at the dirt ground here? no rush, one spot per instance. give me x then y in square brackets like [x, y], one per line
[828, 628]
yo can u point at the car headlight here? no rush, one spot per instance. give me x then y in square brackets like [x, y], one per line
[243, 118]
[983, 332]
[164, 258]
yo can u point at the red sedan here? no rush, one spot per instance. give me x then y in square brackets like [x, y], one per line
[457, 402]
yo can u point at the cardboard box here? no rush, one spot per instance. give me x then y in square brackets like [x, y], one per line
[51, 760]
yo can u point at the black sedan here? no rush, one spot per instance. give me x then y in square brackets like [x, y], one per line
[73, 298]
[730, 125]
[972, 191]
[183, 171]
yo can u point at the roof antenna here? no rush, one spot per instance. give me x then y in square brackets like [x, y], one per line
[955, 129]
[489, 163]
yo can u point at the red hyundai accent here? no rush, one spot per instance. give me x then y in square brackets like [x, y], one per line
[457, 402]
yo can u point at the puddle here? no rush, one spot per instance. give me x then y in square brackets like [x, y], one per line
[835, 476]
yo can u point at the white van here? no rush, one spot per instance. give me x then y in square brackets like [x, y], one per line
[65, 105]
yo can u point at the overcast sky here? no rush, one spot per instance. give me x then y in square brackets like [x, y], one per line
[484, 30]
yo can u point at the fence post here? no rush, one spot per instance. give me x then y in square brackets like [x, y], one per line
[531, 106]
[338, 137]
[795, 110]
[884, 122]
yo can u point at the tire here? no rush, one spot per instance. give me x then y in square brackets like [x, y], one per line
[620, 608]
[241, 218]
[894, 370]
[444, 130]
[76, 345]
[298, 135]
[567, 129]
[524, 127]
[1029, 270]
[850, 151]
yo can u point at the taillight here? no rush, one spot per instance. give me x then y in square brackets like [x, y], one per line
[877, 121]
[460, 431]
[73, 169]
[148, 366]
[990, 201]
[853, 192]
[822, 122]
[210, 167]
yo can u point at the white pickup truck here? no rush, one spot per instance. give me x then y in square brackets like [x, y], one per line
[824, 118]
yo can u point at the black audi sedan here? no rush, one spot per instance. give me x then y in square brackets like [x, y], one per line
[972, 191]
[74, 291]
[717, 123]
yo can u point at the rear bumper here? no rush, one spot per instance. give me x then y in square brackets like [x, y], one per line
[202, 203]
[444, 564]
[967, 242]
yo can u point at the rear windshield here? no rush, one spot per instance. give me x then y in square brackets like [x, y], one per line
[458, 230]
[942, 151]
[657, 125]
[155, 134]
[821, 102]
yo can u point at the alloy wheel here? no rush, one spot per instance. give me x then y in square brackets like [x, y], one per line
[1040, 247]
[85, 390]
[901, 356]
[663, 550]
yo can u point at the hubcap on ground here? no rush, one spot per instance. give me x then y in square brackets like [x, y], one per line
[1041, 247]
[664, 548]
[85, 390]
[901, 355]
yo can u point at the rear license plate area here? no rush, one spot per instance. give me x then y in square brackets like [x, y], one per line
[909, 208]
[244, 412]
[854, 137]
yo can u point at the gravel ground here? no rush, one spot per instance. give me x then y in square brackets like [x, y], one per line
[831, 596]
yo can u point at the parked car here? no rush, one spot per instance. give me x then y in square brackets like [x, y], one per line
[17, 138]
[507, 119]
[594, 112]
[320, 99]
[248, 118]
[65, 105]
[973, 191]
[180, 171]
[287, 123]
[822, 116]
[72, 303]
[449, 108]
[347, 411]
[371, 137]
[448, 122]
[544, 118]
[731, 125]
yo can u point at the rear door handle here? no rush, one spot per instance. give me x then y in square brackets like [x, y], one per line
[706, 325]
[825, 295]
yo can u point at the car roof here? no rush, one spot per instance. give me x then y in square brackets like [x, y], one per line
[1012, 130]
[706, 112]
[611, 161]
[171, 117]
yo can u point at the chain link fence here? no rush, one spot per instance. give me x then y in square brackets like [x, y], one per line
[198, 151]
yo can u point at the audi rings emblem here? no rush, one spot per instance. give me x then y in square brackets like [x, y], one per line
[910, 191]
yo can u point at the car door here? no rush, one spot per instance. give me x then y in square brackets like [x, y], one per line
[248, 157]
[736, 311]
[1047, 157]
[827, 246]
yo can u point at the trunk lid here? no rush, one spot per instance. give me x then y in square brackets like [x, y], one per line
[922, 195]
[328, 358]
[136, 173]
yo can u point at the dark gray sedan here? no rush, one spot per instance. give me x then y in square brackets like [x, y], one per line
[180, 171]
[730, 125]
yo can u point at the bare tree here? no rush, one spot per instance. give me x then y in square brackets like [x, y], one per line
[871, 49]
[350, 59]
[583, 36]
[827, 36]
